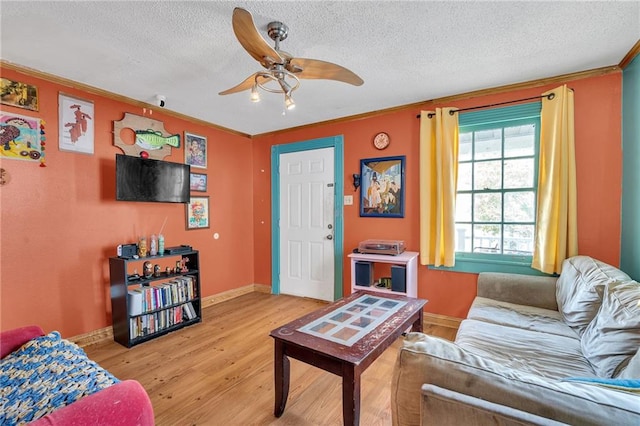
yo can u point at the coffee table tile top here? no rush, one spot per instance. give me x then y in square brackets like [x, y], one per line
[349, 323]
[362, 348]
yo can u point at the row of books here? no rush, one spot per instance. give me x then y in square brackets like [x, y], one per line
[145, 299]
[152, 323]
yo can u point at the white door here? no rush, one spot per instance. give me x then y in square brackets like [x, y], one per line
[306, 223]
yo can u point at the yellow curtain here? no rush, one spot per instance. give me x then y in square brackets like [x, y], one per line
[556, 227]
[438, 186]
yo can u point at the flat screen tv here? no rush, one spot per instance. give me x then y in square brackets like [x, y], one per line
[139, 179]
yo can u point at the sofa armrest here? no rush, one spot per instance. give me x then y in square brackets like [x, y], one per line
[11, 340]
[124, 404]
[425, 359]
[438, 404]
[520, 289]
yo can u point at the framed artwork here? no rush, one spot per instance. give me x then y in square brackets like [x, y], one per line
[198, 213]
[195, 150]
[75, 118]
[21, 138]
[198, 182]
[17, 94]
[382, 187]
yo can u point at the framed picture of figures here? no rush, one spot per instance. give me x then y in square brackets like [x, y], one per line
[195, 150]
[197, 213]
[382, 187]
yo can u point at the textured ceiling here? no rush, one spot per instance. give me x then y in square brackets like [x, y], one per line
[406, 52]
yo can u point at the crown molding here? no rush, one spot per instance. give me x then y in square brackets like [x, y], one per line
[413, 106]
[635, 50]
[110, 95]
[467, 95]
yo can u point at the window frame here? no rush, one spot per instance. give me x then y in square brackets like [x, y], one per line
[522, 114]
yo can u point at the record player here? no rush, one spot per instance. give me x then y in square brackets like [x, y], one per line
[392, 247]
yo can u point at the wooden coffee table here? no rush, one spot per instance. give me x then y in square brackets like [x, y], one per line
[344, 338]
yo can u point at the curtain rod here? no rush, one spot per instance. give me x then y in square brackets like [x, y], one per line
[549, 96]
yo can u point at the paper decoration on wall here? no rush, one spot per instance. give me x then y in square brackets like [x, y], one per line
[75, 124]
[151, 138]
[22, 138]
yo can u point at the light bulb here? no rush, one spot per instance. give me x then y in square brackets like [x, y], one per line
[288, 102]
[255, 95]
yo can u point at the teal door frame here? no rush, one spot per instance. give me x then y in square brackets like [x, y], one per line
[337, 143]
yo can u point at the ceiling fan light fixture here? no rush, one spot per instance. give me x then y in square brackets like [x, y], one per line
[282, 71]
[255, 95]
[288, 102]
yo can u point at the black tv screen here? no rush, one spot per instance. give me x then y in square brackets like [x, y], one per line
[139, 179]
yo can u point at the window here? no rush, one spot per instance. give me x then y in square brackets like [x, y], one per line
[497, 179]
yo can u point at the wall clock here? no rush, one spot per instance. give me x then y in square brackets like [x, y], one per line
[381, 140]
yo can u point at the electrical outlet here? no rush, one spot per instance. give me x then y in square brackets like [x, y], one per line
[348, 200]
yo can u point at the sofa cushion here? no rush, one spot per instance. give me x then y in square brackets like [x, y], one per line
[614, 335]
[520, 316]
[44, 374]
[580, 287]
[438, 404]
[546, 355]
[426, 359]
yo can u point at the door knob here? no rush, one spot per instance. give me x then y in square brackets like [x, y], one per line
[329, 237]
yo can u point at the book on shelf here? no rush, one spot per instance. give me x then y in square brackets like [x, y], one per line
[143, 325]
[163, 295]
[135, 301]
[189, 311]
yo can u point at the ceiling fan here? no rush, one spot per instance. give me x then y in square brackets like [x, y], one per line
[283, 71]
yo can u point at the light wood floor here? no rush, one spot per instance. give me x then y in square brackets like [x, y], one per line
[220, 372]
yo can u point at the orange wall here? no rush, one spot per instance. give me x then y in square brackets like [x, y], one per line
[598, 157]
[61, 223]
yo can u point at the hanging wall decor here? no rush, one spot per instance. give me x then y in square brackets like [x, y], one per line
[198, 182]
[197, 213]
[151, 138]
[195, 150]
[22, 138]
[382, 187]
[17, 94]
[75, 124]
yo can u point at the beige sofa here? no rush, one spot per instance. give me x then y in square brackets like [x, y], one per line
[533, 350]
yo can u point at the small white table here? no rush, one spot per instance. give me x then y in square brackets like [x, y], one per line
[408, 258]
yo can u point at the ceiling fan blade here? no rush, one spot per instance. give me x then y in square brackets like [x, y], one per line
[251, 40]
[246, 84]
[315, 69]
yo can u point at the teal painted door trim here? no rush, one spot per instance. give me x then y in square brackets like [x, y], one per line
[337, 143]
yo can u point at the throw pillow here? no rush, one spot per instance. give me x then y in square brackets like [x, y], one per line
[614, 334]
[580, 287]
[45, 374]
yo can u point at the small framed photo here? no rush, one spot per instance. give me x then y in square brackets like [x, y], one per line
[75, 124]
[382, 187]
[197, 213]
[195, 150]
[17, 94]
[198, 182]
